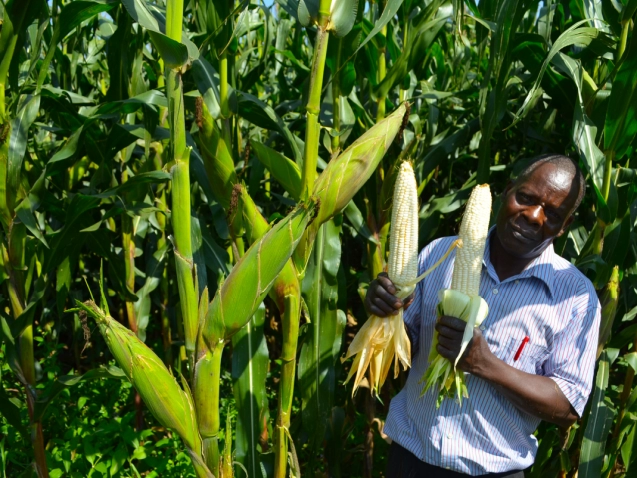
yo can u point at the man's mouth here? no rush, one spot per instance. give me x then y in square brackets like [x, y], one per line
[522, 235]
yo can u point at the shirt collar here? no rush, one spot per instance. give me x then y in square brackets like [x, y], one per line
[542, 267]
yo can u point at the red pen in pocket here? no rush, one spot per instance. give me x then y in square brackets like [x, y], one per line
[525, 340]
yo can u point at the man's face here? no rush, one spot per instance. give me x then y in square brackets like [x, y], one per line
[536, 210]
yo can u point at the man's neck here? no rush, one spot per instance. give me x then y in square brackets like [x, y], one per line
[505, 264]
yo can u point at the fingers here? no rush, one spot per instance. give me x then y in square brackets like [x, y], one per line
[386, 283]
[380, 300]
[388, 298]
[452, 323]
[450, 333]
[446, 353]
[381, 308]
[408, 300]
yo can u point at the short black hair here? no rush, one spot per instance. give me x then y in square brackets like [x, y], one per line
[563, 163]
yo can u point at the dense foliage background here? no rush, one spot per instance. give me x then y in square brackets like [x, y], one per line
[85, 183]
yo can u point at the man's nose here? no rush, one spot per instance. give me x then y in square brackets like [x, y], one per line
[534, 215]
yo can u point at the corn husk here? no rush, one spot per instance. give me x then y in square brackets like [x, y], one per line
[167, 401]
[441, 373]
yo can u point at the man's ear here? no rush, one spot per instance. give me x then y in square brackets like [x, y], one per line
[567, 223]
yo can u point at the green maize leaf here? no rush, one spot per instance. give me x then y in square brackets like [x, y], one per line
[175, 54]
[308, 11]
[165, 399]
[207, 80]
[154, 268]
[629, 10]
[391, 8]
[584, 130]
[253, 276]
[27, 111]
[342, 16]
[576, 35]
[345, 175]
[421, 37]
[5, 214]
[63, 279]
[74, 13]
[492, 100]
[629, 452]
[620, 126]
[597, 425]
[151, 98]
[284, 170]
[119, 57]
[320, 352]
[250, 362]
[24, 212]
[261, 114]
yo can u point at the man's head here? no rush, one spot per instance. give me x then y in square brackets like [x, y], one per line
[538, 206]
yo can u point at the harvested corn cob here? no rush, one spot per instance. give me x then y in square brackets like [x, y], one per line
[462, 300]
[383, 340]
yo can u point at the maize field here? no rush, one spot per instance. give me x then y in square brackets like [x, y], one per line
[195, 196]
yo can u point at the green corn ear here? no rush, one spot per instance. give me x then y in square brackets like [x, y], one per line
[253, 276]
[345, 175]
[163, 396]
[234, 304]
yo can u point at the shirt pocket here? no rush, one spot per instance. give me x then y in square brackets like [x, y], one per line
[530, 358]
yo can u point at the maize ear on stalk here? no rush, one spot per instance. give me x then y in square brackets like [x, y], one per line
[167, 401]
[345, 175]
[382, 341]
[462, 300]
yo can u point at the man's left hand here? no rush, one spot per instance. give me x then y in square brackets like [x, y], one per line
[477, 354]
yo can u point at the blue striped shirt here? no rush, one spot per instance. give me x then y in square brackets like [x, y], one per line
[553, 304]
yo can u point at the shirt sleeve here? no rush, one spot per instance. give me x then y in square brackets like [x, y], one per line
[572, 363]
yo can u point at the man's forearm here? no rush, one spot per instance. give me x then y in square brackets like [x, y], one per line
[534, 394]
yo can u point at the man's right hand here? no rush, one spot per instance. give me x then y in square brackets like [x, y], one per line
[380, 299]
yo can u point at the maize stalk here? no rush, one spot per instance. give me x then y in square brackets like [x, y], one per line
[313, 106]
[462, 300]
[180, 215]
[172, 406]
[382, 341]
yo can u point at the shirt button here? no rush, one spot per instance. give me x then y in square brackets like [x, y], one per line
[447, 468]
[449, 435]
[482, 327]
[495, 291]
[517, 281]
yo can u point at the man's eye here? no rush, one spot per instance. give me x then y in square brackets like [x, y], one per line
[523, 198]
[553, 216]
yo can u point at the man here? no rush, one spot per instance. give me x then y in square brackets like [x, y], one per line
[531, 359]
